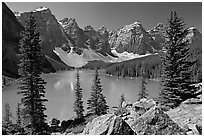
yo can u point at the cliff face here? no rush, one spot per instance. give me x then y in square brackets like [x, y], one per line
[133, 38]
[11, 29]
[51, 33]
[87, 38]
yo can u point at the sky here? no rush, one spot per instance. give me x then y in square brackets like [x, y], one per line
[114, 15]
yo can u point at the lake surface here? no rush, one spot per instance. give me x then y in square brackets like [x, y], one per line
[60, 94]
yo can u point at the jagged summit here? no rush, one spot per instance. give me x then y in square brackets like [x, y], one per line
[38, 9]
[127, 28]
[102, 30]
[88, 28]
[66, 22]
[17, 13]
[158, 27]
[41, 8]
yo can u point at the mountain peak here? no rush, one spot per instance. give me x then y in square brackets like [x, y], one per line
[69, 22]
[102, 29]
[17, 13]
[159, 25]
[137, 23]
[41, 8]
[88, 28]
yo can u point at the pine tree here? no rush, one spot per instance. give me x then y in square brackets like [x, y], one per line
[122, 99]
[78, 103]
[18, 115]
[143, 90]
[32, 85]
[176, 75]
[7, 115]
[97, 103]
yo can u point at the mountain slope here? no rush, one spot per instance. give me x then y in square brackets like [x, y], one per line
[131, 68]
[87, 38]
[51, 33]
[133, 39]
[11, 29]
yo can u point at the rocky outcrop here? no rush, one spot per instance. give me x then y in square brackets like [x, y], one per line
[146, 117]
[52, 34]
[144, 104]
[98, 40]
[87, 38]
[72, 29]
[158, 34]
[188, 115]
[134, 39]
[108, 124]
[11, 29]
[156, 122]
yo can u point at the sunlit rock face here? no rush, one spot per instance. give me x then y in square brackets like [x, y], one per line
[108, 124]
[133, 38]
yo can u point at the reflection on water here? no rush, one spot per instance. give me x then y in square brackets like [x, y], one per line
[60, 95]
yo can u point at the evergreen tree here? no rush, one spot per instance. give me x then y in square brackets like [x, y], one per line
[32, 85]
[143, 90]
[177, 84]
[122, 99]
[18, 115]
[7, 115]
[78, 103]
[97, 102]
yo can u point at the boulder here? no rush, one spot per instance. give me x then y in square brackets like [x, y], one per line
[156, 122]
[188, 116]
[144, 104]
[197, 100]
[108, 124]
[126, 104]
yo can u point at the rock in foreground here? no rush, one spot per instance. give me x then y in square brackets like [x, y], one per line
[108, 124]
[156, 122]
[188, 116]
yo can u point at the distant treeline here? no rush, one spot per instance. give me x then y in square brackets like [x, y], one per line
[131, 68]
[152, 67]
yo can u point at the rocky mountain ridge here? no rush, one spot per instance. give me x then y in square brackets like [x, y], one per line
[96, 40]
[11, 29]
[127, 43]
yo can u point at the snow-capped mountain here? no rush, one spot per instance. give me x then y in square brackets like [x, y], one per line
[40, 9]
[11, 29]
[51, 33]
[96, 40]
[17, 13]
[71, 27]
[65, 42]
[133, 38]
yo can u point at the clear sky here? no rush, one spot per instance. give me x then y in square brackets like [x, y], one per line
[115, 15]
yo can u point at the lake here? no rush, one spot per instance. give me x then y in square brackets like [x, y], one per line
[60, 93]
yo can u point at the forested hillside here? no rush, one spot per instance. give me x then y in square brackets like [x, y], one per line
[131, 68]
[152, 66]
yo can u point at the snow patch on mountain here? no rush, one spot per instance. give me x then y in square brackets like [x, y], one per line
[128, 56]
[75, 60]
[40, 9]
[71, 59]
[17, 13]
